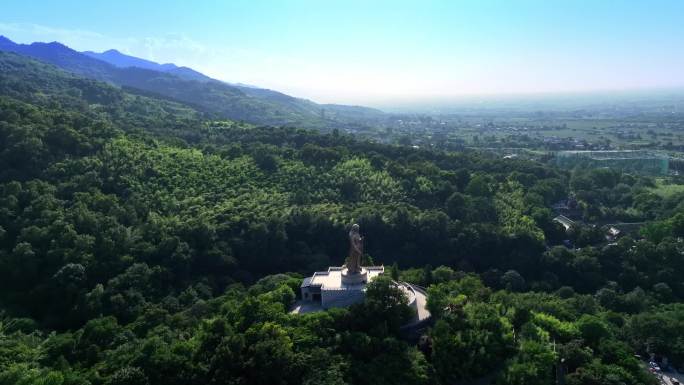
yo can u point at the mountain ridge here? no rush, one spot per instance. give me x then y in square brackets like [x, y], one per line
[183, 84]
[121, 60]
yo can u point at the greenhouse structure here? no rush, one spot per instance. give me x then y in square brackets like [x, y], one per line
[639, 161]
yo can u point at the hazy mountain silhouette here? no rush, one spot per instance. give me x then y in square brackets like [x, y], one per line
[121, 60]
[250, 104]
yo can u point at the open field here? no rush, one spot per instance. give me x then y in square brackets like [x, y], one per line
[560, 132]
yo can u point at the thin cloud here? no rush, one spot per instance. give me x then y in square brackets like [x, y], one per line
[82, 40]
[48, 32]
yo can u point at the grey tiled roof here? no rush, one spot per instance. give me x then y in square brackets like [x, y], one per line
[306, 281]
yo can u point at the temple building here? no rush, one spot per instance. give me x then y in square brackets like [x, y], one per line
[337, 287]
[346, 285]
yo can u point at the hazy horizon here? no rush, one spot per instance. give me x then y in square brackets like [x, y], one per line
[386, 53]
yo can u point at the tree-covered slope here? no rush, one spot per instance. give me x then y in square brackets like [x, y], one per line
[142, 242]
[253, 105]
[242, 203]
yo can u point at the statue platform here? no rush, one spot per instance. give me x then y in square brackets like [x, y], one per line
[359, 278]
[319, 298]
[337, 287]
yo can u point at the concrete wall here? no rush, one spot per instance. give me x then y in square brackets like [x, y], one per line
[341, 298]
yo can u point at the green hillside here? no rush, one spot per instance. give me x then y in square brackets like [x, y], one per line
[222, 100]
[143, 241]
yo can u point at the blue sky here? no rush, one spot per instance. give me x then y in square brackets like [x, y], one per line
[378, 52]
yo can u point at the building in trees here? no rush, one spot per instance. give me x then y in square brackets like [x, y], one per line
[640, 161]
[337, 287]
[348, 284]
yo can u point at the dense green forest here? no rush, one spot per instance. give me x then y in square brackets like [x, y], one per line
[144, 242]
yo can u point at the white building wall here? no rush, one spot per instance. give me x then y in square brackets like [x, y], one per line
[341, 298]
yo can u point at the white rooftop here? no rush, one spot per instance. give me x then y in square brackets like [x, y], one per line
[332, 279]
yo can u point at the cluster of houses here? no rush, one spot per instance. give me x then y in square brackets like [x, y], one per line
[569, 215]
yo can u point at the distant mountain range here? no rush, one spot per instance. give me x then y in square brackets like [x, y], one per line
[216, 98]
[121, 60]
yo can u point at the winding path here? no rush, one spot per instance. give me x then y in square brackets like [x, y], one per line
[422, 313]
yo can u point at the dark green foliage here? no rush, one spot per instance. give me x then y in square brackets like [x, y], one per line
[386, 307]
[137, 238]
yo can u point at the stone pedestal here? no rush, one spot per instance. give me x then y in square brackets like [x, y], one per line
[350, 279]
[337, 287]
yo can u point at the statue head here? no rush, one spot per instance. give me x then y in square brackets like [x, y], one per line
[355, 228]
